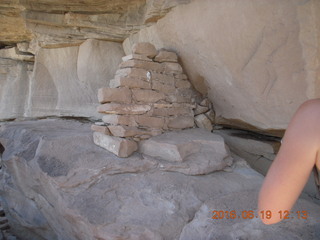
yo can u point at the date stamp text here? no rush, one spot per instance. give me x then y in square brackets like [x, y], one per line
[250, 214]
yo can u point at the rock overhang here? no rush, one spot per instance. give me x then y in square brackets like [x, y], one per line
[59, 23]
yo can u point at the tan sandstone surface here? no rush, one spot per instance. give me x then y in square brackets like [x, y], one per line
[256, 61]
[60, 23]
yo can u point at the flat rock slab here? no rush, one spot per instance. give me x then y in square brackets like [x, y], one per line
[119, 146]
[115, 108]
[119, 95]
[166, 56]
[55, 183]
[192, 151]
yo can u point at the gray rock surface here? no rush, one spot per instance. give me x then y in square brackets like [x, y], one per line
[202, 121]
[259, 151]
[119, 146]
[57, 184]
[246, 226]
[251, 146]
[192, 151]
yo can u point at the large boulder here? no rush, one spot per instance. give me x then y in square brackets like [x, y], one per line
[57, 184]
[257, 61]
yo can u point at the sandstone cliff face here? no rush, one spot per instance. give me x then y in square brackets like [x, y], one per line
[13, 27]
[62, 81]
[257, 62]
[59, 23]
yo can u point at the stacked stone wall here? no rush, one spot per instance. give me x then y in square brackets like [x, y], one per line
[149, 95]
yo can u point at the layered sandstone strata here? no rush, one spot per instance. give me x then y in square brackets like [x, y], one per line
[59, 23]
[149, 95]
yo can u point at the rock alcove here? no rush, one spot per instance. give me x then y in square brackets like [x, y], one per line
[252, 62]
[163, 176]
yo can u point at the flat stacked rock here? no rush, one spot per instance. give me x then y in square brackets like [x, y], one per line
[149, 95]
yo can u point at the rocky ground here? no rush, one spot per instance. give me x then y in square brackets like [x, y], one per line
[57, 184]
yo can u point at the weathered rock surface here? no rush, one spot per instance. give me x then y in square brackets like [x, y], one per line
[122, 95]
[119, 146]
[259, 151]
[57, 184]
[256, 62]
[13, 27]
[15, 77]
[192, 151]
[100, 128]
[251, 146]
[202, 121]
[144, 49]
[14, 53]
[256, 75]
[242, 227]
[64, 81]
[123, 109]
[57, 23]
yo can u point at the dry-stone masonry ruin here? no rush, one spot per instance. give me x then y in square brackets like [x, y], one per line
[149, 95]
